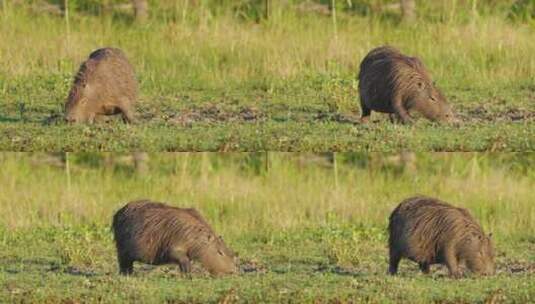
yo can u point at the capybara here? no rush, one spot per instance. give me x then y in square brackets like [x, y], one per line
[391, 82]
[155, 233]
[104, 85]
[429, 231]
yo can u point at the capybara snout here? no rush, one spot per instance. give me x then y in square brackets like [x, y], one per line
[429, 231]
[155, 233]
[104, 85]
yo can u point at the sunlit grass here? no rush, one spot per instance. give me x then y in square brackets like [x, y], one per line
[486, 52]
[291, 70]
[308, 232]
[286, 197]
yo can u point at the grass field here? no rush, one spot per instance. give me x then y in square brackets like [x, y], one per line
[305, 230]
[213, 81]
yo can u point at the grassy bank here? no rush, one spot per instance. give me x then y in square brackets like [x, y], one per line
[214, 81]
[304, 230]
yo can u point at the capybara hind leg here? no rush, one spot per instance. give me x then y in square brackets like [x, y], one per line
[366, 113]
[126, 266]
[424, 267]
[395, 257]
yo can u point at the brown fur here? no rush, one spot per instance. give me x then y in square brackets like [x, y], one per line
[429, 231]
[155, 233]
[391, 82]
[104, 85]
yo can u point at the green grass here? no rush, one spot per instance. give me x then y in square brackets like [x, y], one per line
[215, 82]
[303, 232]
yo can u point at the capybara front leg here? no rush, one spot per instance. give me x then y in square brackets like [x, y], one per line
[395, 257]
[183, 261]
[452, 264]
[185, 265]
[400, 111]
[126, 111]
[91, 118]
[128, 115]
[424, 267]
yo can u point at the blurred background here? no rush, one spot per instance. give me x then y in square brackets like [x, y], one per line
[255, 10]
[264, 192]
[262, 44]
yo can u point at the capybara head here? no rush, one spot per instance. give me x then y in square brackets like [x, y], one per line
[478, 253]
[217, 257]
[429, 100]
[76, 107]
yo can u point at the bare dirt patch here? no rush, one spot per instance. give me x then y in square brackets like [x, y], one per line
[252, 265]
[212, 113]
[484, 114]
[337, 117]
[517, 267]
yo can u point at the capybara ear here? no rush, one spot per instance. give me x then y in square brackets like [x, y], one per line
[490, 235]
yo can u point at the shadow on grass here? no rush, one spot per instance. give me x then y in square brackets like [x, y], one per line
[41, 265]
[6, 119]
[14, 265]
[338, 270]
[75, 271]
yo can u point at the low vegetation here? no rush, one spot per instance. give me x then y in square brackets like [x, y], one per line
[215, 76]
[307, 229]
